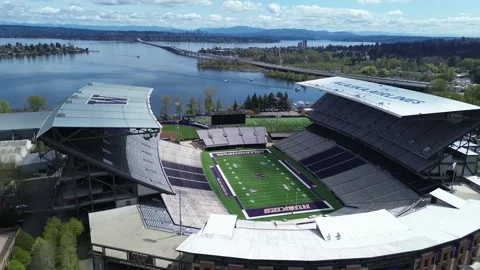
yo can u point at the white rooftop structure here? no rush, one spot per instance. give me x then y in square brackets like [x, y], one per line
[427, 227]
[396, 101]
[221, 225]
[123, 228]
[448, 198]
[99, 105]
[340, 228]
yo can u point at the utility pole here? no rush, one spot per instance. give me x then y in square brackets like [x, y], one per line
[180, 204]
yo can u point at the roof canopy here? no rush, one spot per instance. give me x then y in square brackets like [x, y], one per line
[428, 227]
[22, 120]
[99, 105]
[396, 101]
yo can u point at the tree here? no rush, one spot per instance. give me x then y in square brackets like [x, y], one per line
[219, 106]
[288, 104]
[472, 94]
[235, 106]
[36, 103]
[271, 101]
[51, 231]
[280, 101]
[75, 226]
[192, 107]
[67, 250]
[369, 71]
[448, 74]
[438, 85]
[22, 256]
[25, 241]
[254, 101]
[248, 103]
[165, 107]
[15, 265]
[476, 75]
[178, 106]
[199, 105]
[5, 107]
[383, 72]
[43, 255]
[209, 103]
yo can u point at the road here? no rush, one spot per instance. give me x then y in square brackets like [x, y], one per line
[412, 85]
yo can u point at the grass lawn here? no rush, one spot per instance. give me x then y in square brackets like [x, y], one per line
[271, 124]
[269, 190]
[280, 124]
[185, 132]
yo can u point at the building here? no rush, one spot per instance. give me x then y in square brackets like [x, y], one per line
[7, 243]
[21, 125]
[387, 153]
[302, 44]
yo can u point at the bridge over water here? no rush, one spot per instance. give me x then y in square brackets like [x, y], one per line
[412, 85]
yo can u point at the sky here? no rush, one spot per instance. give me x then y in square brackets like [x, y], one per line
[429, 17]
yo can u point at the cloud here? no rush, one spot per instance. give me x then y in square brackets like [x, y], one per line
[74, 8]
[274, 8]
[48, 10]
[216, 17]
[154, 2]
[185, 17]
[369, 1]
[395, 13]
[239, 6]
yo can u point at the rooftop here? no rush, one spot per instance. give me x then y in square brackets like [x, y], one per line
[123, 228]
[22, 120]
[393, 100]
[99, 105]
[412, 232]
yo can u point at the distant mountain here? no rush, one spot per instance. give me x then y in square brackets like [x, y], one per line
[235, 30]
[106, 28]
[283, 33]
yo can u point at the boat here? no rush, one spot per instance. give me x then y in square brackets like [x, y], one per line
[297, 89]
[251, 80]
[225, 80]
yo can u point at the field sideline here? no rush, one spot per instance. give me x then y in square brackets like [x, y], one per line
[264, 187]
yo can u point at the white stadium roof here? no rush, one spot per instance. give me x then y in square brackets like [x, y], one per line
[427, 227]
[393, 100]
[99, 105]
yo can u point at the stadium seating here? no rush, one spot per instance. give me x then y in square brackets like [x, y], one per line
[197, 205]
[303, 145]
[154, 213]
[183, 166]
[233, 136]
[361, 185]
[412, 140]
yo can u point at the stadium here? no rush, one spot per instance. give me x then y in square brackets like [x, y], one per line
[383, 178]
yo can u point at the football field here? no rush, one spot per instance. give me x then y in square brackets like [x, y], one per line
[263, 185]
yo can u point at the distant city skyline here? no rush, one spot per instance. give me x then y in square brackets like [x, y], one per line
[423, 17]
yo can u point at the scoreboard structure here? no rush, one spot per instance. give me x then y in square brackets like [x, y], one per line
[228, 119]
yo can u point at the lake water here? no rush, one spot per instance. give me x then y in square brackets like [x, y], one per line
[57, 77]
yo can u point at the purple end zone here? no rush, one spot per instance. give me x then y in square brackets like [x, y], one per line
[301, 175]
[223, 185]
[258, 212]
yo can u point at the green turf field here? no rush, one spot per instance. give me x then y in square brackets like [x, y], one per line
[260, 180]
[280, 124]
[185, 132]
[271, 124]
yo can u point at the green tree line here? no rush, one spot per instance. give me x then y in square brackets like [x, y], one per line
[35, 103]
[56, 249]
[270, 102]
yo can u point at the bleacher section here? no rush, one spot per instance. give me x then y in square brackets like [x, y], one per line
[412, 140]
[197, 205]
[184, 170]
[303, 145]
[183, 165]
[361, 185]
[233, 136]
